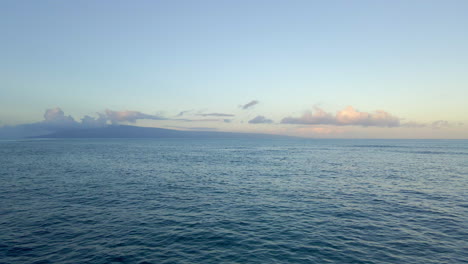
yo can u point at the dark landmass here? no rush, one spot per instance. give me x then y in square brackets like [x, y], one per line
[122, 131]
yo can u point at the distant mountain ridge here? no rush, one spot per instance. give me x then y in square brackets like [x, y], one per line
[124, 131]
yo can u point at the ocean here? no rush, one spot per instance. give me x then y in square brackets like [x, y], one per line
[233, 201]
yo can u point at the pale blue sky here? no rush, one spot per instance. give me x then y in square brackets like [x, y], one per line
[408, 58]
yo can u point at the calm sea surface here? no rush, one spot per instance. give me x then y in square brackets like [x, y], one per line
[234, 201]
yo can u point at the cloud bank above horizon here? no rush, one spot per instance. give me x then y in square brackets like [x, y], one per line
[349, 116]
[56, 120]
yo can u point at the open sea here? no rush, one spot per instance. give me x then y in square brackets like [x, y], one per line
[233, 201]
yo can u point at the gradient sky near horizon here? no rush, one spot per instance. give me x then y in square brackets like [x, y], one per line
[408, 59]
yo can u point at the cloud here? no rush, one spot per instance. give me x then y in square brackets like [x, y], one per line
[100, 121]
[260, 120]
[204, 120]
[116, 117]
[380, 118]
[346, 117]
[440, 124]
[55, 120]
[434, 125]
[56, 115]
[319, 117]
[216, 114]
[249, 104]
[183, 112]
[307, 131]
[414, 124]
[194, 128]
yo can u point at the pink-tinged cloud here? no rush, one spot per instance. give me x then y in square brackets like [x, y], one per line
[56, 115]
[307, 131]
[346, 117]
[129, 116]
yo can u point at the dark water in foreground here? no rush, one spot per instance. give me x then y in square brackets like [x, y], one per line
[233, 201]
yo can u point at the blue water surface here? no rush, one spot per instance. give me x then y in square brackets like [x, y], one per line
[233, 201]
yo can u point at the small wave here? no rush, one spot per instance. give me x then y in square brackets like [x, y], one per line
[428, 152]
[378, 146]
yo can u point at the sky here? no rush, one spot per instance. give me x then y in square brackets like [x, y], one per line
[320, 69]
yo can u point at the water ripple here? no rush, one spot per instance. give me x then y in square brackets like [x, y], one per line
[233, 201]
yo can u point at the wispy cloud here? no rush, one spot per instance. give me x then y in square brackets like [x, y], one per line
[216, 114]
[260, 120]
[194, 128]
[116, 117]
[414, 124]
[346, 117]
[440, 124]
[203, 120]
[183, 113]
[434, 125]
[249, 104]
